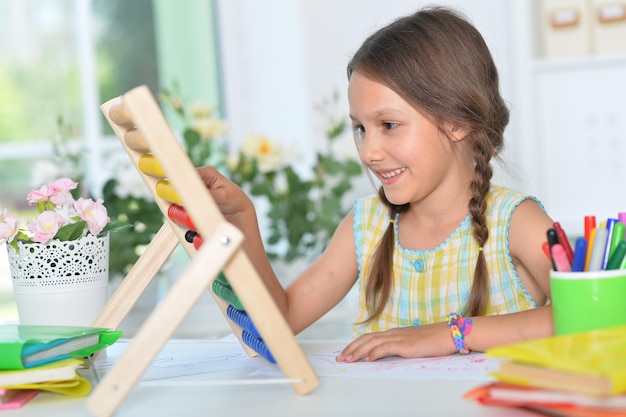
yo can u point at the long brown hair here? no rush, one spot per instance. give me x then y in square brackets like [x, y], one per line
[437, 61]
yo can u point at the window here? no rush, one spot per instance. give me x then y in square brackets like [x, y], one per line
[62, 58]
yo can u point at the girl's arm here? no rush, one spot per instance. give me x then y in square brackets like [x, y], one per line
[527, 232]
[326, 282]
[320, 287]
[436, 340]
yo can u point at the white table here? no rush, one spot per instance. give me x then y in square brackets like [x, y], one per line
[372, 392]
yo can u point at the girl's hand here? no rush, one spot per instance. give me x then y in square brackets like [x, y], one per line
[238, 210]
[406, 342]
[231, 200]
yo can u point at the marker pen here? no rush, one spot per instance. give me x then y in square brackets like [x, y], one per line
[564, 241]
[590, 223]
[546, 249]
[590, 244]
[560, 258]
[616, 237]
[580, 254]
[599, 246]
[618, 257]
[610, 224]
[553, 239]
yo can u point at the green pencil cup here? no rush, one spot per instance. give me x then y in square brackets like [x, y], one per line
[584, 301]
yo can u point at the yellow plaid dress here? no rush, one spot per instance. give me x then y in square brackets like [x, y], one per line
[430, 284]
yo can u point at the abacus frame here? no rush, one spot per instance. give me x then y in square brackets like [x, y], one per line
[137, 120]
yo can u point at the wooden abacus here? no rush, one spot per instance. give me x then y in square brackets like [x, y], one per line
[194, 221]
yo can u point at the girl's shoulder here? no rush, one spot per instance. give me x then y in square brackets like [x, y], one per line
[502, 198]
[369, 203]
[370, 210]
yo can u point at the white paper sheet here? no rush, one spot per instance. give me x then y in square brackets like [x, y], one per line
[475, 366]
[183, 358]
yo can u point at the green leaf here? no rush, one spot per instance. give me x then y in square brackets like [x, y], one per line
[353, 168]
[333, 167]
[274, 239]
[71, 231]
[192, 138]
[341, 188]
[22, 236]
[113, 226]
[336, 129]
[261, 189]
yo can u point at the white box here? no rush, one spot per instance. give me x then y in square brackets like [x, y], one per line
[565, 28]
[608, 23]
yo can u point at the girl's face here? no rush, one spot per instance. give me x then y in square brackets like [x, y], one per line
[400, 145]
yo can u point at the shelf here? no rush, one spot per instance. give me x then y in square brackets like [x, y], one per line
[588, 63]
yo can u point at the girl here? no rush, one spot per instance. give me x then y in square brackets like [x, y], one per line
[446, 262]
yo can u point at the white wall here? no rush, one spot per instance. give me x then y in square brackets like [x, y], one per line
[282, 56]
[265, 78]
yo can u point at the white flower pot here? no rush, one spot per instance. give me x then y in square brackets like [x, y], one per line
[60, 283]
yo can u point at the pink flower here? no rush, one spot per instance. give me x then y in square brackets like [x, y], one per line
[57, 208]
[39, 196]
[9, 227]
[61, 191]
[64, 185]
[45, 226]
[94, 213]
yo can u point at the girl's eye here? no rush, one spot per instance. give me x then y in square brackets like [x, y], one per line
[390, 125]
[358, 132]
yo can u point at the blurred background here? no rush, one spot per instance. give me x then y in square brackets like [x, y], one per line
[269, 68]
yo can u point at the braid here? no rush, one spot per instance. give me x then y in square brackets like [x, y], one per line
[479, 295]
[380, 278]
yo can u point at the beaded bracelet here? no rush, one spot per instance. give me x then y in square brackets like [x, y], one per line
[459, 328]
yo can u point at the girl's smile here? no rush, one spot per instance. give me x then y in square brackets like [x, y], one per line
[388, 177]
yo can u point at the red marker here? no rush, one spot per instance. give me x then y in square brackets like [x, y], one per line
[546, 249]
[564, 241]
[590, 223]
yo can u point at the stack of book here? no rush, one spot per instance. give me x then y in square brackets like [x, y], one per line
[46, 358]
[581, 374]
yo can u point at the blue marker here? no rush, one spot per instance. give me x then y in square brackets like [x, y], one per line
[610, 224]
[580, 253]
